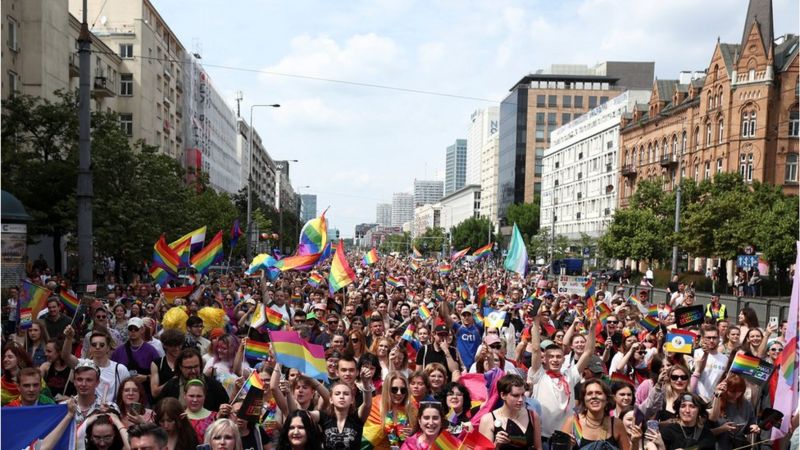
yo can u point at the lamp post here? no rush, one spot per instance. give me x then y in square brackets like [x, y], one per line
[278, 174]
[299, 219]
[249, 231]
[677, 228]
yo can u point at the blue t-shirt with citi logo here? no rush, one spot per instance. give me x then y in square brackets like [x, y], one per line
[468, 339]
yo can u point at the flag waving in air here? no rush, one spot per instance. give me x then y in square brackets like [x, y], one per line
[517, 258]
[341, 273]
[236, 232]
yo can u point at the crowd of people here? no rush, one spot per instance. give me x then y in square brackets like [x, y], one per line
[411, 356]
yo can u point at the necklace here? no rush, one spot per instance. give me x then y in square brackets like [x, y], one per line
[593, 425]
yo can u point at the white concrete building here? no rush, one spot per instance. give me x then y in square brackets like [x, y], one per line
[210, 129]
[483, 124]
[490, 160]
[427, 191]
[402, 208]
[383, 214]
[579, 182]
[426, 216]
[460, 206]
[263, 174]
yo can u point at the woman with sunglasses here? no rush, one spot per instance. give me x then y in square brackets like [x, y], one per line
[774, 349]
[689, 429]
[356, 343]
[672, 383]
[512, 426]
[393, 416]
[594, 423]
[428, 427]
[735, 415]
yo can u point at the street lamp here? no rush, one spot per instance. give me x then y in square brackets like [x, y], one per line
[249, 178]
[278, 171]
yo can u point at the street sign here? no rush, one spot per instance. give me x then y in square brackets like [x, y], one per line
[747, 261]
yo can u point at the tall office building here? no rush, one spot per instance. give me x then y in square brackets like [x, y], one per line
[483, 124]
[427, 192]
[402, 208]
[455, 166]
[541, 102]
[383, 214]
[308, 207]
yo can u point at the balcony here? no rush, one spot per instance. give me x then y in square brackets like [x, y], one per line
[669, 160]
[103, 87]
[167, 73]
[74, 66]
[629, 170]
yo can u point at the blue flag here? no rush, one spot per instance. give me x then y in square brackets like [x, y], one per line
[25, 424]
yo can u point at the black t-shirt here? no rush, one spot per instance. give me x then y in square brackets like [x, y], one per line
[675, 437]
[427, 355]
[249, 441]
[347, 439]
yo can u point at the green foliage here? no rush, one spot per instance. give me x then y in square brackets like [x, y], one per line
[526, 216]
[433, 240]
[396, 243]
[635, 232]
[474, 232]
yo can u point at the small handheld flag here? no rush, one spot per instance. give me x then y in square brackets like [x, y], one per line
[680, 341]
[70, 301]
[371, 257]
[341, 274]
[256, 350]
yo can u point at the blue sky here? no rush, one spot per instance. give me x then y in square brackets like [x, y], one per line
[356, 144]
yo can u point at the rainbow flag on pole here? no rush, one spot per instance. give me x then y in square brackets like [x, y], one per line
[274, 319]
[236, 233]
[170, 294]
[292, 351]
[313, 236]
[209, 255]
[417, 253]
[33, 299]
[189, 242]
[297, 262]
[459, 254]
[159, 275]
[787, 389]
[315, 279]
[371, 257]
[414, 265]
[341, 273]
[256, 350]
[254, 381]
[445, 269]
[483, 252]
[446, 441]
[165, 257]
[393, 282]
[70, 301]
[517, 257]
[424, 312]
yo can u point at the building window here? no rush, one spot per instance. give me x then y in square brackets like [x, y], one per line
[126, 51]
[126, 84]
[674, 145]
[696, 172]
[707, 174]
[749, 124]
[697, 138]
[592, 101]
[794, 123]
[540, 101]
[791, 167]
[708, 135]
[552, 101]
[683, 142]
[566, 101]
[579, 101]
[565, 118]
[551, 119]
[539, 118]
[13, 43]
[746, 167]
[126, 123]
[13, 78]
[721, 137]
[719, 165]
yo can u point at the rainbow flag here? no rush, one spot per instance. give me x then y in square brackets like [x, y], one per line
[414, 265]
[481, 297]
[159, 275]
[341, 273]
[256, 350]
[313, 236]
[292, 351]
[444, 269]
[315, 279]
[424, 312]
[170, 294]
[459, 254]
[787, 384]
[70, 301]
[464, 291]
[438, 296]
[417, 253]
[588, 287]
[262, 261]
[165, 257]
[254, 381]
[743, 363]
[788, 361]
[297, 262]
[604, 311]
[408, 335]
[638, 304]
[621, 378]
[393, 282]
[577, 429]
[183, 249]
[236, 232]
[446, 441]
[326, 253]
[209, 255]
[274, 319]
[484, 251]
[371, 257]
[33, 299]
[650, 323]
[682, 341]
[517, 257]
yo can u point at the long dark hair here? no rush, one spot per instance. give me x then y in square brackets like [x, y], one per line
[103, 419]
[171, 408]
[466, 406]
[314, 439]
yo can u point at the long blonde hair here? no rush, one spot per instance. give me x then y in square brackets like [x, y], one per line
[386, 397]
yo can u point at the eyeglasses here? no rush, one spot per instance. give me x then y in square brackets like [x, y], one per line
[776, 349]
[496, 346]
[103, 438]
[98, 344]
[399, 390]
[455, 394]
[133, 328]
[642, 352]
[679, 377]
[612, 322]
[101, 317]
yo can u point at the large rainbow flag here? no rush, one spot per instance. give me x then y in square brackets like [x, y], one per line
[33, 299]
[170, 294]
[483, 252]
[313, 236]
[159, 275]
[297, 262]
[165, 257]
[341, 273]
[292, 351]
[188, 243]
[209, 255]
[459, 254]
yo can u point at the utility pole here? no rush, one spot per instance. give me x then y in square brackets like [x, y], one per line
[84, 191]
[674, 270]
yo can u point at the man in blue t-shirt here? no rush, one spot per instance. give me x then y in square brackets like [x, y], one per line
[468, 333]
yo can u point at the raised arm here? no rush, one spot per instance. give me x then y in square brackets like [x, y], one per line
[444, 308]
[591, 340]
[275, 387]
[66, 349]
[536, 340]
[237, 360]
[52, 438]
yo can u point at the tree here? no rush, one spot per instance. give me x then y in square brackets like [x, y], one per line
[635, 233]
[433, 240]
[526, 216]
[474, 232]
[396, 243]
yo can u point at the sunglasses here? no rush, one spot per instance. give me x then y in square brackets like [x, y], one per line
[133, 328]
[642, 352]
[102, 317]
[612, 322]
[776, 349]
[496, 346]
[354, 341]
[679, 377]
[399, 390]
